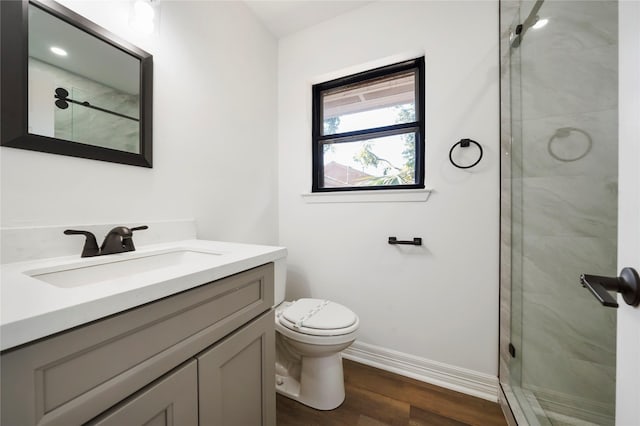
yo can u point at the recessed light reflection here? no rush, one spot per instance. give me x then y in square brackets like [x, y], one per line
[540, 23]
[58, 51]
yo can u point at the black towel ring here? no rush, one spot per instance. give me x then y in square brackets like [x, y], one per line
[463, 144]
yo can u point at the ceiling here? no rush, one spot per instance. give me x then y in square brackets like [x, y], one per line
[285, 17]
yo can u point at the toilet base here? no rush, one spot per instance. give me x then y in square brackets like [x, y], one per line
[321, 384]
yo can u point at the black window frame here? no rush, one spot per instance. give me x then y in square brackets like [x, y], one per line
[319, 140]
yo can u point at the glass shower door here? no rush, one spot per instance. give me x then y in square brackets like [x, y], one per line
[559, 65]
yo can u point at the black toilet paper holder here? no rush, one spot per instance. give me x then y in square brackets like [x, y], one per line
[417, 241]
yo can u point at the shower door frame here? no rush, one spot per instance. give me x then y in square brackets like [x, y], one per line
[511, 408]
[505, 219]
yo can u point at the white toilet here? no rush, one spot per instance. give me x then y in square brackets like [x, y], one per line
[310, 333]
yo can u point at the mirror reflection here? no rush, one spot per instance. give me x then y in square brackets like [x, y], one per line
[81, 89]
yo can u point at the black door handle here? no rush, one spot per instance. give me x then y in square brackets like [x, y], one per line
[628, 283]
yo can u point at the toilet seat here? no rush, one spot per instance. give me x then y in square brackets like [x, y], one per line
[318, 317]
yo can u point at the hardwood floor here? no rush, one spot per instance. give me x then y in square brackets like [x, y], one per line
[378, 398]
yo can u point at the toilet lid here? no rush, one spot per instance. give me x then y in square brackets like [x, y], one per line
[317, 316]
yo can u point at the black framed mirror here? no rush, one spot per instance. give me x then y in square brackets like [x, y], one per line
[70, 87]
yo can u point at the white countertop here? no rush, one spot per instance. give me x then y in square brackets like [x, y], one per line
[32, 308]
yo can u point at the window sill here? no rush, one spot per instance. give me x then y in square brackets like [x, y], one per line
[378, 196]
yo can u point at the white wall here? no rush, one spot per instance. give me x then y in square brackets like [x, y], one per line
[438, 302]
[215, 79]
[628, 353]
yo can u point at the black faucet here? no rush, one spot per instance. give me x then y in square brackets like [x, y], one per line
[118, 240]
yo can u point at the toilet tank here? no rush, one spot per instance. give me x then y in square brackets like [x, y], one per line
[280, 280]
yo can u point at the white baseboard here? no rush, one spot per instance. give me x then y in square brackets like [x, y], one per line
[437, 373]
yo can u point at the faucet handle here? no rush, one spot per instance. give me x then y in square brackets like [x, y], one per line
[128, 242]
[90, 248]
[77, 232]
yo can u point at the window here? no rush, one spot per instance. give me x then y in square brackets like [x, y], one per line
[368, 130]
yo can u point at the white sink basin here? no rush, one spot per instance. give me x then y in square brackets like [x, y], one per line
[80, 274]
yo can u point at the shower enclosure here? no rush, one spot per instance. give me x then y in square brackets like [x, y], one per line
[559, 209]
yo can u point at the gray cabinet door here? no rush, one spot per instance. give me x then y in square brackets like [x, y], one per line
[170, 401]
[236, 377]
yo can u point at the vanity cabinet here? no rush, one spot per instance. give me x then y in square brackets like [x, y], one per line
[204, 356]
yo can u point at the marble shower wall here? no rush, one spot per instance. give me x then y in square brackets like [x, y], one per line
[564, 219]
[81, 124]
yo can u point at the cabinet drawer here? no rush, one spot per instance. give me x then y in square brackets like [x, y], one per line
[73, 376]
